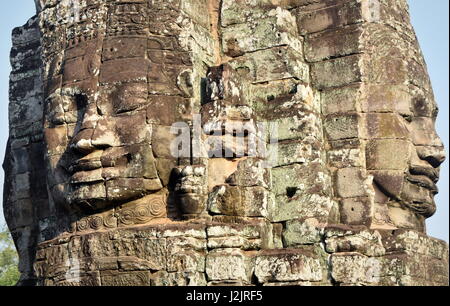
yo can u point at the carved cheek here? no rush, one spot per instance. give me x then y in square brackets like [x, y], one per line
[130, 97]
[56, 140]
[388, 154]
[133, 129]
[390, 181]
[384, 125]
[55, 114]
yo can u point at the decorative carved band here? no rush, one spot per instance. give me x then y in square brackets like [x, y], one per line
[138, 212]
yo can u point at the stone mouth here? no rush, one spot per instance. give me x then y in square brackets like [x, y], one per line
[87, 177]
[424, 182]
[84, 165]
[87, 163]
[431, 173]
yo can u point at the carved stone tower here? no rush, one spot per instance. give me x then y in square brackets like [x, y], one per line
[212, 142]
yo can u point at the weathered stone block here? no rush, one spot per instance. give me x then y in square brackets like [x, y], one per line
[179, 110]
[134, 161]
[124, 47]
[258, 65]
[302, 206]
[250, 172]
[357, 269]
[333, 43]
[127, 263]
[330, 17]
[277, 233]
[295, 126]
[298, 179]
[350, 183]
[90, 245]
[22, 186]
[346, 158]
[245, 229]
[154, 251]
[342, 126]
[112, 131]
[116, 278]
[386, 98]
[364, 242]
[186, 254]
[239, 201]
[383, 126]
[390, 180]
[126, 188]
[247, 236]
[56, 140]
[279, 29]
[424, 133]
[21, 213]
[355, 211]
[341, 100]
[296, 151]
[287, 265]
[183, 279]
[84, 279]
[95, 191]
[413, 242]
[162, 138]
[236, 12]
[130, 69]
[29, 109]
[300, 232]
[234, 242]
[323, 74]
[229, 264]
[387, 154]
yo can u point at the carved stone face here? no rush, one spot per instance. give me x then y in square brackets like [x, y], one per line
[97, 134]
[404, 153]
[426, 157]
[107, 156]
[310, 136]
[114, 95]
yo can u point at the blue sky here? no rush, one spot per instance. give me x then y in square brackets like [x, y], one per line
[430, 19]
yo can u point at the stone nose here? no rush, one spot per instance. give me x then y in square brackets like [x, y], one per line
[85, 139]
[82, 142]
[91, 139]
[434, 155]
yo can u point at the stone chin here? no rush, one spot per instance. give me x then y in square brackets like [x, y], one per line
[426, 210]
[106, 194]
[87, 196]
[415, 192]
[419, 198]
